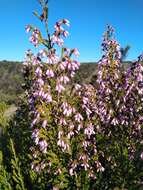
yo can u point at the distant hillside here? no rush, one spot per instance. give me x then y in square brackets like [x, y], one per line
[11, 78]
[85, 72]
[88, 71]
[10, 81]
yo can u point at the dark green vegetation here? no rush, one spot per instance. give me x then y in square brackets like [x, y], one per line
[16, 134]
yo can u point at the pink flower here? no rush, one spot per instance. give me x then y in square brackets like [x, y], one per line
[40, 82]
[141, 156]
[67, 111]
[70, 134]
[89, 130]
[85, 165]
[60, 42]
[71, 126]
[36, 168]
[85, 100]
[100, 168]
[34, 40]
[55, 188]
[85, 144]
[35, 61]
[114, 121]
[65, 33]
[71, 171]
[42, 53]
[56, 39]
[62, 121]
[28, 28]
[72, 74]
[80, 126]
[35, 136]
[66, 22]
[58, 27]
[73, 65]
[67, 51]
[38, 72]
[60, 133]
[48, 97]
[62, 66]
[36, 31]
[64, 105]
[50, 73]
[52, 58]
[75, 52]
[63, 145]
[44, 124]
[40, 93]
[64, 79]
[34, 122]
[59, 87]
[77, 86]
[88, 111]
[43, 146]
[78, 117]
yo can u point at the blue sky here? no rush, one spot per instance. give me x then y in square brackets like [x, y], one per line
[88, 20]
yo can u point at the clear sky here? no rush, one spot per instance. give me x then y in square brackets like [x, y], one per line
[88, 20]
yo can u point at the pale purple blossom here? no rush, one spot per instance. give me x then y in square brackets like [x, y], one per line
[44, 123]
[50, 73]
[48, 97]
[40, 82]
[34, 122]
[141, 156]
[38, 72]
[66, 22]
[67, 111]
[85, 165]
[70, 134]
[60, 133]
[28, 28]
[65, 33]
[77, 86]
[62, 121]
[43, 53]
[100, 168]
[34, 40]
[57, 40]
[89, 130]
[78, 117]
[60, 87]
[55, 188]
[35, 136]
[43, 146]
[75, 52]
[52, 57]
[72, 74]
[85, 100]
[63, 145]
[63, 65]
[64, 79]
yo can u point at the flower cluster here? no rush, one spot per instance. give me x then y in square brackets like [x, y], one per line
[59, 31]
